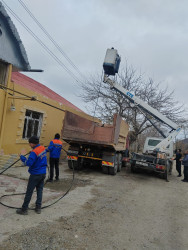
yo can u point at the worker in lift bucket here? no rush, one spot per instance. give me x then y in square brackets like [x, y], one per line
[37, 163]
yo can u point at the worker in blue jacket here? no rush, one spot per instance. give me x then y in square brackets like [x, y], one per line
[55, 150]
[185, 163]
[37, 163]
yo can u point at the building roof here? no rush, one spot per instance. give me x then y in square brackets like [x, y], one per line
[11, 47]
[39, 88]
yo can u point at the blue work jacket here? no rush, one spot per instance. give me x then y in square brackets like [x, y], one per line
[55, 148]
[37, 160]
[185, 160]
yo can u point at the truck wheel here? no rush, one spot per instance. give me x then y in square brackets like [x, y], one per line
[164, 175]
[76, 164]
[170, 167]
[79, 164]
[167, 171]
[119, 162]
[113, 170]
[105, 169]
[133, 169]
[70, 164]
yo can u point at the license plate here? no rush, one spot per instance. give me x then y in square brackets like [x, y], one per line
[142, 163]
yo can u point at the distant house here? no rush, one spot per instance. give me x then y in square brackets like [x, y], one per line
[27, 107]
[181, 144]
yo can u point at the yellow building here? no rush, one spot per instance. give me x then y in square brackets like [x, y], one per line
[27, 107]
[30, 108]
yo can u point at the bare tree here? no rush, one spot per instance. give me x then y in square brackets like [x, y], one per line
[185, 130]
[103, 102]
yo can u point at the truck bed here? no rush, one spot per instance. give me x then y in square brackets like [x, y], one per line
[81, 130]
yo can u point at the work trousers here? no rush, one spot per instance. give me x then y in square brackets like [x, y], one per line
[185, 173]
[35, 181]
[54, 162]
[178, 167]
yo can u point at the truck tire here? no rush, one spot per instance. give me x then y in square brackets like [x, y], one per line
[133, 169]
[164, 175]
[79, 164]
[113, 170]
[119, 162]
[105, 169]
[170, 167]
[76, 164]
[70, 164]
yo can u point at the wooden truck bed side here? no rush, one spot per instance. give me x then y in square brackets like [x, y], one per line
[82, 130]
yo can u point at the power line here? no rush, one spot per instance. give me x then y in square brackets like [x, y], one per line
[31, 98]
[51, 39]
[42, 44]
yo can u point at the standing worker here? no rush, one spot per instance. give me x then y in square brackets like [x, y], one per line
[178, 162]
[185, 163]
[55, 151]
[37, 163]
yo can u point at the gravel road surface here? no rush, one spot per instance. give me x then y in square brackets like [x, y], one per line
[127, 211]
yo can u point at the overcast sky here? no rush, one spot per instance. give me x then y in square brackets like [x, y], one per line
[152, 35]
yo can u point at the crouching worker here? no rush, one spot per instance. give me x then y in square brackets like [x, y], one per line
[37, 163]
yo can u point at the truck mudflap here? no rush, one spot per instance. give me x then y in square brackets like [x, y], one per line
[107, 163]
[71, 157]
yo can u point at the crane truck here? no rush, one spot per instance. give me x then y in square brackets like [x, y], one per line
[157, 159]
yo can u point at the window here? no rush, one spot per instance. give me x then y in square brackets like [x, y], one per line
[32, 124]
[152, 142]
[155, 143]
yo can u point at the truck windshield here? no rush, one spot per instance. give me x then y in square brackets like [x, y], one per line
[152, 142]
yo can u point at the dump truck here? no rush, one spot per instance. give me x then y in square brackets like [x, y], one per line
[92, 143]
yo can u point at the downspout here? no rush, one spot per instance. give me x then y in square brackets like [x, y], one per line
[9, 71]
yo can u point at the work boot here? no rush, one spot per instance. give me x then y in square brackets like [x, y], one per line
[184, 180]
[22, 211]
[38, 210]
[57, 179]
[49, 180]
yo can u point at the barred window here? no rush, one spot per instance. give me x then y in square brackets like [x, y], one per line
[32, 124]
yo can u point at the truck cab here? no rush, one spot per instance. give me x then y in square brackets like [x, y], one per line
[152, 142]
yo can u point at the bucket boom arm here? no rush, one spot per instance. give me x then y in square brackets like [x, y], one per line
[141, 104]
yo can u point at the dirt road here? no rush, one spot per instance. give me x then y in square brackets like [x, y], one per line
[126, 211]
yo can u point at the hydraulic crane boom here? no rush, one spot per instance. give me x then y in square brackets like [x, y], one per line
[141, 104]
[138, 102]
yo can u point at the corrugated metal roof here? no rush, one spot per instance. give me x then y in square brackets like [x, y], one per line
[37, 87]
[17, 40]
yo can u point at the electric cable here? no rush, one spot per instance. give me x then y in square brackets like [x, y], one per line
[7, 195]
[30, 97]
[12, 165]
[42, 44]
[51, 38]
